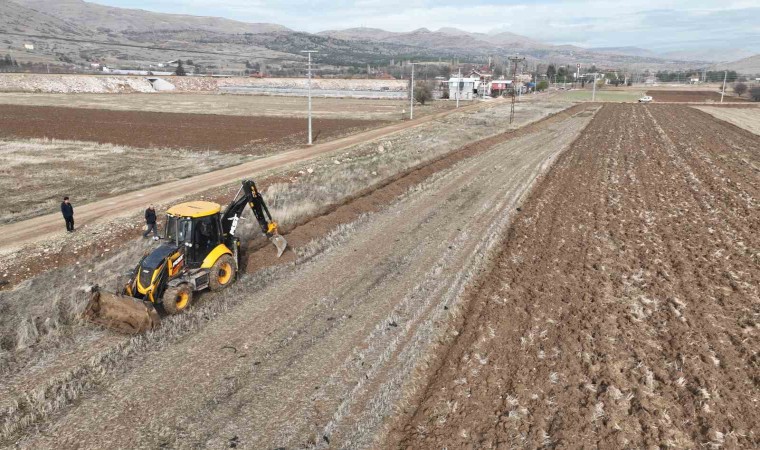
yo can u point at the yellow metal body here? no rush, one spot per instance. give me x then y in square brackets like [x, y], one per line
[195, 209]
[175, 263]
[215, 254]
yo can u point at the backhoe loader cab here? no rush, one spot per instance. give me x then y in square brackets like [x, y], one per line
[200, 250]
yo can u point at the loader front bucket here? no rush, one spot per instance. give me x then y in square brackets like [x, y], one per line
[279, 242]
[121, 313]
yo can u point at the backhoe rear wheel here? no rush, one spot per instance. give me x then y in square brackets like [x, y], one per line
[222, 273]
[177, 299]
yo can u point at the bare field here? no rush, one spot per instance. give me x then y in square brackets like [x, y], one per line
[622, 310]
[205, 132]
[747, 118]
[231, 104]
[35, 174]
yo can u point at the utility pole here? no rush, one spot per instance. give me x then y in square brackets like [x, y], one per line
[593, 89]
[459, 85]
[309, 52]
[514, 60]
[411, 95]
[725, 75]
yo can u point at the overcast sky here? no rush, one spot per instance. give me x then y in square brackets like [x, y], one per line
[654, 24]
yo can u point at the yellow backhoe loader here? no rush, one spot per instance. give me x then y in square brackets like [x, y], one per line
[200, 251]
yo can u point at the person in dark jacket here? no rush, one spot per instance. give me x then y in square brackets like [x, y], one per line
[68, 214]
[150, 223]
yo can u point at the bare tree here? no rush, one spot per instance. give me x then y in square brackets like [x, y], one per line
[180, 72]
[423, 92]
[740, 89]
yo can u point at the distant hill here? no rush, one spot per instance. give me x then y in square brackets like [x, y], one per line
[746, 66]
[111, 18]
[81, 32]
[445, 39]
[630, 51]
[17, 18]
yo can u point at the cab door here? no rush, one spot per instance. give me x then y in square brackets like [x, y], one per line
[206, 236]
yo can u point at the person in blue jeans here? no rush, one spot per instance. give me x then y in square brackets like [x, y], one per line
[150, 222]
[68, 214]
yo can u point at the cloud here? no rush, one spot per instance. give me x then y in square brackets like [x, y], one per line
[595, 23]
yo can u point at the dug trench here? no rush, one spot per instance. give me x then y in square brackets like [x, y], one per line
[369, 201]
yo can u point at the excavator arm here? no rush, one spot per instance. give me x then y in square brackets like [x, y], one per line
[249, 195]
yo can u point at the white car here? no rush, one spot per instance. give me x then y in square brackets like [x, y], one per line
[645, 99]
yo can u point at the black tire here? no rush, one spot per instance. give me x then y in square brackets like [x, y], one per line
[177, 299]
[222, 273]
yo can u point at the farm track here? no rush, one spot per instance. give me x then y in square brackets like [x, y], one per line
[317, 355]
[622, 310]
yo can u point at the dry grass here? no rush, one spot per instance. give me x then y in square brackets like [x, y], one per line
[36, 173]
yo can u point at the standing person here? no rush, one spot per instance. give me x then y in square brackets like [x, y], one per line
[150, 222]
[68, 214]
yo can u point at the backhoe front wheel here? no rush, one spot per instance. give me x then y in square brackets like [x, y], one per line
[222, 273]
[177, 298]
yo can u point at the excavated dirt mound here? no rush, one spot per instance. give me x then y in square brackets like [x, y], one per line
[691, 96]
[250, 135]
[623, 308]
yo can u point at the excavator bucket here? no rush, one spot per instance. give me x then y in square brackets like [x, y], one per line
[279, 242]
[120, 312]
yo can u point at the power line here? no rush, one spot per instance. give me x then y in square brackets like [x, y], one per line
[145, 47]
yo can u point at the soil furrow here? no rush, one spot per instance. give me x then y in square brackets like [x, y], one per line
[622, 309]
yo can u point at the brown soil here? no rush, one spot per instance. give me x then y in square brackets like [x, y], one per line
[691, 96]
[249, 135]
[622, 310]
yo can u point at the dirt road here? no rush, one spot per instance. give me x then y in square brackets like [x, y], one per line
[623, 309]
[40, 228]
[317, 354]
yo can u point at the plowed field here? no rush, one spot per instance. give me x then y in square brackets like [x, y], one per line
[691, 96]
[622, 310]
[250, 135]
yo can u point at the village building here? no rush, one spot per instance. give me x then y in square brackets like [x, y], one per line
[463, 88]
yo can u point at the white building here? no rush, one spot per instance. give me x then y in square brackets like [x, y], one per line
[29, 46]
[463, 88]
